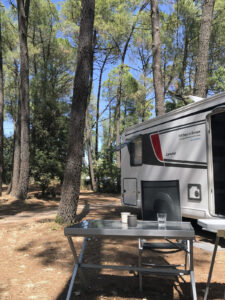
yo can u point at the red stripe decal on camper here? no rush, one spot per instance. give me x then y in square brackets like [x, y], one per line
[156, 146]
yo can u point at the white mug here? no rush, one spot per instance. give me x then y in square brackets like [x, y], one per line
[124, 217]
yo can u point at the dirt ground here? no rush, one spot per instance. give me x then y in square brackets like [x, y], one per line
[36, 262]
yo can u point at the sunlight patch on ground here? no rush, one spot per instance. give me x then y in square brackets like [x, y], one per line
[49, 269]
[29, 285]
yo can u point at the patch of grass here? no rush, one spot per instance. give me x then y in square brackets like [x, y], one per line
[59, 220]
[55, 226]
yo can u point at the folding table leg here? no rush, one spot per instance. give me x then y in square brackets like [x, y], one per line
[191, 267]
[72, 282]
[193, 285]
[139, 265]
[188, 255]
[77, 261]
[211, 267]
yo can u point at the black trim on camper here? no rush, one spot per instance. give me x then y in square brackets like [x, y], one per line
[186, 165]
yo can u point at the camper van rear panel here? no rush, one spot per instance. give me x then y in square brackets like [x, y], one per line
[177, 152]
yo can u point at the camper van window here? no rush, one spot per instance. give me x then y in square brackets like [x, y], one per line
[136, 152]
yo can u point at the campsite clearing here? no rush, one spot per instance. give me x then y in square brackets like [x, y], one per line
[36, 262]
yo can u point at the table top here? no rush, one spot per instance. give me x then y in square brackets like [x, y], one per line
[144, 229]
[212, 224]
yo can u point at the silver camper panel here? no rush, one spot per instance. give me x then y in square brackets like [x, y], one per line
[182, 147]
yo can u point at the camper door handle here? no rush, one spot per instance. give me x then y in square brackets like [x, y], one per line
[124, 191]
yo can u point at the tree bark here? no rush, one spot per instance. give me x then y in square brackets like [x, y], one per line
[200, 86]
[184, 65]
[98, 103]
[87, 128]
[16, 142]
[1, 108]
[90, 160]
[23, 12]
[71, 182]
[156, 49]
[117, 111]
[16, 153]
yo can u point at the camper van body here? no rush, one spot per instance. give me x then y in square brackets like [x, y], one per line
[179, 156]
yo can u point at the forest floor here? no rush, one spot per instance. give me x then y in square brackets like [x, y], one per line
[36, 262]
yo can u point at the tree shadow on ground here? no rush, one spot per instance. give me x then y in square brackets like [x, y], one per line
[50, 252]
[216, 290]
[126, 286]
[18, 206]
[116, 283]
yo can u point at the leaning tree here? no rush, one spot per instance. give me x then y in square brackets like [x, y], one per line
[71, 183]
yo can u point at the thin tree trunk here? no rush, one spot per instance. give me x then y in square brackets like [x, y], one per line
[35, 102]
[200, 86]
[109, 141]
[16, 141]
[156, 49]
[144, 98]
[90, 160]
[1, 108]
[119, 89]
[16, 154]
[71, 183]
[87, 128]
[117, 112]
[184, 65]
[98, 103]
[23, 12]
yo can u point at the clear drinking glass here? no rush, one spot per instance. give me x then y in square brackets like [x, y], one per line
[161, 218]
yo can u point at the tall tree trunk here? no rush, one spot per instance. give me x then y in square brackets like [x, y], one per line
[23, 12]
[71, 183]
[200, 86]
[35, 101]
[156, 49]
[87, 128]
[90, 160]
[1, 107]
[117, 111]
[145, 97]
[119, 89]
[16, 142]
[98, 103]
[184, 65]
[16, 153]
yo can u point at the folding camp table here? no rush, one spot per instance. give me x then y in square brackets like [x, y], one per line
[145, 230]
[217, 226]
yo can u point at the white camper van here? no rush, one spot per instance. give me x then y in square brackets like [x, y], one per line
[177, 158]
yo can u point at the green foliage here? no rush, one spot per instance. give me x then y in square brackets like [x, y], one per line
[176, 103]
[50, 87]
[59, 220]
[217, 80]
[107, 173]
[49, 144]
